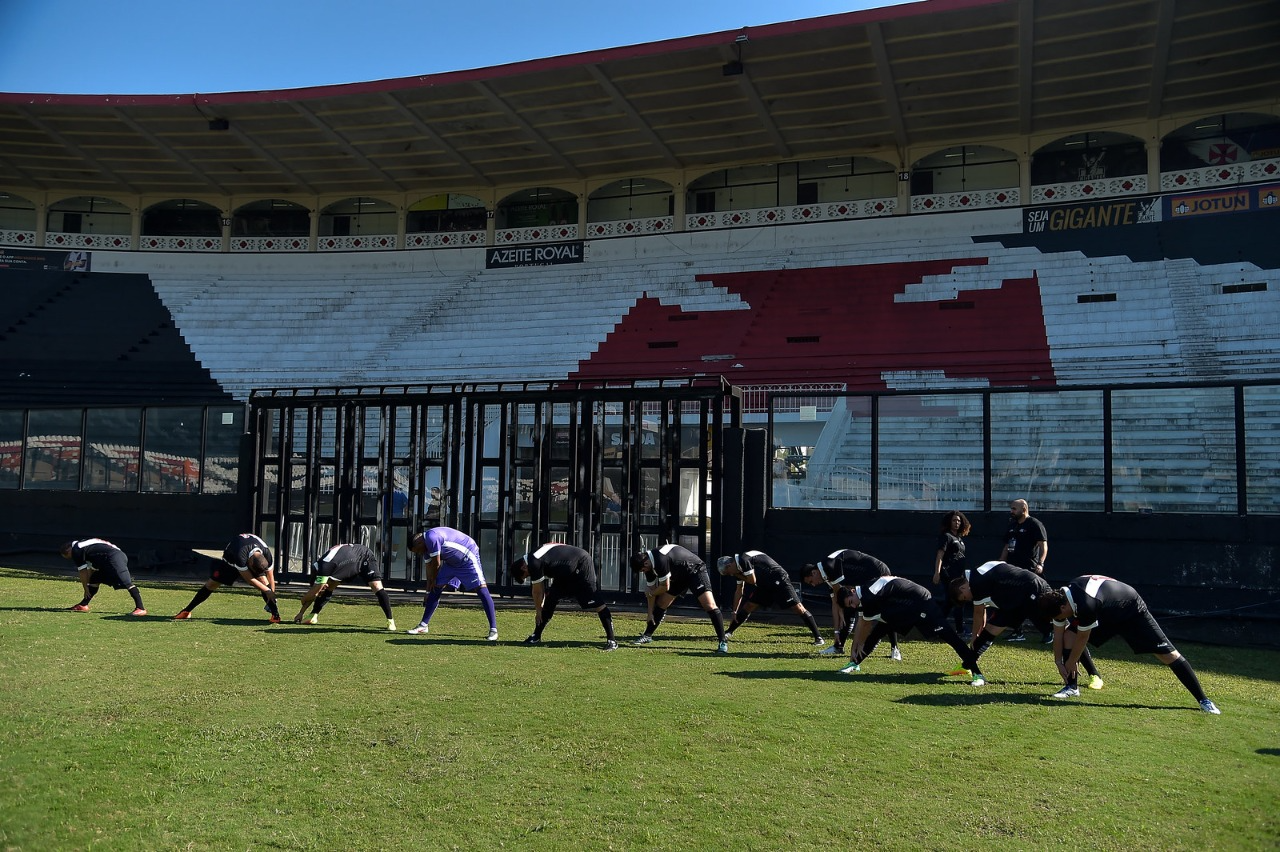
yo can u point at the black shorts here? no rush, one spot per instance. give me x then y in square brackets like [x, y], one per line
[582, 589]
[366, 571]
[997, 617]
[115, 573]
[1139, 629]
[926, 615]
[691, 581]
[773, 593]
[227, 575]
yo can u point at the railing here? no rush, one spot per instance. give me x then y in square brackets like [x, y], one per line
[1082, 190]
[755, 398]
[978, 198]
[828, 211]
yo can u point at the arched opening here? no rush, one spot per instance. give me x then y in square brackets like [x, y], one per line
[182, 217]
[446, 212]
[16, 213]
[964, 168]
[358, 217]
[632, 198]
[1088, 156]
[1221, 140]
[88, 215]
[272, 217]
[740, 188]
[844, 179]
[537, 207]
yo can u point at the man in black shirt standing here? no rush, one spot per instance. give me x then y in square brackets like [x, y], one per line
[896, 603]
[1026, 544]
[670, 571]
[572, 573]
[1102, 608]
[100, 561]
[770, 586]
[1004, 596]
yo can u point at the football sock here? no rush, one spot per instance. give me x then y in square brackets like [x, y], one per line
[430, 604]
[137, 598]
[1187, 675]
[812, 623]
[658, 614]
[1086, 660]
[606, 618]
[982, 643]
[486, 600]
[271, 604]
[717, 621]
[89, 591]
[738, 620]
[201, 596]
[384, 601]
[893, 639]
[321, 600]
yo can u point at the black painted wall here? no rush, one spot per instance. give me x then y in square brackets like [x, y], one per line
[1207, 578]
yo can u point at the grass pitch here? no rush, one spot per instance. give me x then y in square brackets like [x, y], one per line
[224, 732]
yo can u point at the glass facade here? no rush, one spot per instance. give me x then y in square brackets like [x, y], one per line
[171, 450]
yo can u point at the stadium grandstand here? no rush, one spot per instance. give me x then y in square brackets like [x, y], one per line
[795, 287]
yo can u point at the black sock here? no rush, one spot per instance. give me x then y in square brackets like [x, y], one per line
[1086, 660]
[893, 639]
[137, 598]
[658, 614]
[542, 625]
[606, 618]
[982, 643]
[717, 621]
[201, 596]
[271, 604]
[1187, 675]
[384, 601]
[321, 600]
[812, 624]
[89, 591]
[739, 620]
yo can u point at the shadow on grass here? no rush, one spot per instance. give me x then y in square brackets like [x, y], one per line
[1271, 752]
[987, 696]
[457, 640]
[835, 675]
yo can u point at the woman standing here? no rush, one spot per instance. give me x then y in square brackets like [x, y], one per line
[948, 564]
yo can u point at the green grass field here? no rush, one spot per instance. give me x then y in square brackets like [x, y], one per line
[224, 732]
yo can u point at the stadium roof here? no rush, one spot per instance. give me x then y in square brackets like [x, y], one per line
[902, 78]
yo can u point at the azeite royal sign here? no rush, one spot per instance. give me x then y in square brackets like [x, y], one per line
[544, 254]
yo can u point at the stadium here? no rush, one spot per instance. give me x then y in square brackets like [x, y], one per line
[790, 288]
[931, 256]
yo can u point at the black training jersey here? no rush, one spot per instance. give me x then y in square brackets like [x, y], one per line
[559, 562]
[343, 555]
[888, 594]
[763, 567]
[1005, 586]
[1094, 597]
[671, 559]
[852, 568]
[94, 551]
[242, 547]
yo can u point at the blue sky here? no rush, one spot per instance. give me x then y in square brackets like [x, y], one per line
[182, 47]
